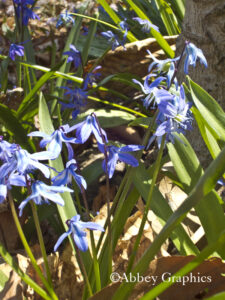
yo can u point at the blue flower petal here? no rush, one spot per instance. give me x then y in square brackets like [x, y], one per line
[128, 159]
[61, 238]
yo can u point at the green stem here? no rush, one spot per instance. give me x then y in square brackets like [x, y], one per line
[93, 247]
[148, 203]
[109, 237]
[126, 182]
[97, 20]
[41, 241]
[83, 270]
[10, 261]
[59, 114]
[96, 264]
[77, 198]
[19, 74]
[117, 105]
[53, 56]
[115, 201]
[27, 75]
[27, 248]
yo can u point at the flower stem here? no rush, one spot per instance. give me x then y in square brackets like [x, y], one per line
[97, 20]
[148, 203]
[93, 247]
[41, 241]
[177, 65]
[28, 250]
[115, 201]
[109, 237]
[126, 182]
[83, 270]
[10, 261]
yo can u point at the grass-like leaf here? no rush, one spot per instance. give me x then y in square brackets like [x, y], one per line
[163, 211]
[13, 125]
[9, 260]
[28, 101]
[210, 110]
[202, 188]
[189, 171]
[159, 38]
[115, 18]
[168, 17]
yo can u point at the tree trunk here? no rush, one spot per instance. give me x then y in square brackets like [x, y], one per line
[204, 25]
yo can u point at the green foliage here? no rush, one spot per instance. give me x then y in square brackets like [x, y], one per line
[3, 280]
[199, 185]
[203, 187]
[13, 125]
[9, 260]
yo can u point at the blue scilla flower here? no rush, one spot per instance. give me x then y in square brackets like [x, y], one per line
[116, 154]
[28, 14]
[112, 38]
[164, 66]
[65, 18]
[15, 50]
[178, 110]
[167, 127]
[124, 26]
[54, 142]
[65, 177]
[149, 89]
[6, 150]
[146, 25]
[192, 54]
[86, 128]
[160, 65]
[24, 2]
[162, 95]
[91, 77]
[77, 99]
[84, 30]
[24, 9]
[174, 117]
[14, 179]
[3, 192]
[221, 182]
[76, 228]
[74, 56]
[23, 162]
[42, 192]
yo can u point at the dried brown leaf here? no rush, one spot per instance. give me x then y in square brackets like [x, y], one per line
[205, 280]
[13, 289]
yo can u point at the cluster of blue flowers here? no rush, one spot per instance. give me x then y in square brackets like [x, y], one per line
[18, 168]
[24, 10]
[78, 96]
[65, 18]
[174, 115]
[114, 38]
[16, 50]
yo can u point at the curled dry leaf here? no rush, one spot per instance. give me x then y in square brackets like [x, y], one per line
[126, 242]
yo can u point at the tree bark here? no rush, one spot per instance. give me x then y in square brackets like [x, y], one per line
[204, 25]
